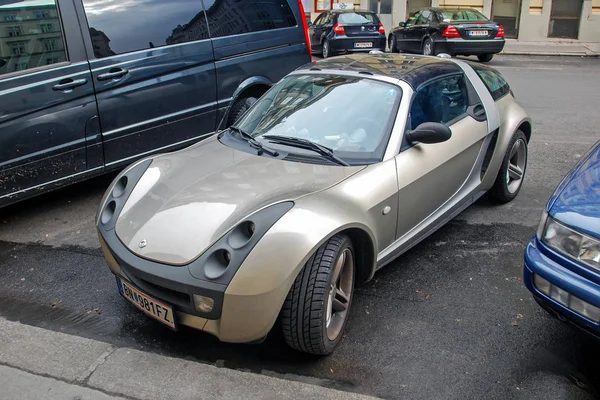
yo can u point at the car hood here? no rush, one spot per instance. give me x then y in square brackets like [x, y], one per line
[576, 201]
[187, 200]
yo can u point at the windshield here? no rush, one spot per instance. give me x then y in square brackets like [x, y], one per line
[350, 115]
[454, 15]
[357, 18]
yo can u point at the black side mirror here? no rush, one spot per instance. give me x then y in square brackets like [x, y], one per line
[310, 23]
[429, 132]
[402, 24]
[2, 62]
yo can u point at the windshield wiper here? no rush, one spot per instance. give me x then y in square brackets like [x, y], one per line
[253, 142]
[307, 145]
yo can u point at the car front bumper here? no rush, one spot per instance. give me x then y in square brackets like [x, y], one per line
[345, 44]
[469, 47]
[560, 272]
[235, 318]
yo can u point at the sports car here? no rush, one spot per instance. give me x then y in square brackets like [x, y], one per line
[337, 170]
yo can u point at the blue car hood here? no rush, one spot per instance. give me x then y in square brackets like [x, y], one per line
[576, 201]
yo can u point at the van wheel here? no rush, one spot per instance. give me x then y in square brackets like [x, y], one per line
[239, 108]
[317, 306]
[485, 57]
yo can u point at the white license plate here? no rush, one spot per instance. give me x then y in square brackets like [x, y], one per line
[363, 44]
[147, 304]
[478, 33]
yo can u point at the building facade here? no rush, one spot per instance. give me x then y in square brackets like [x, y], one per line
[525, 20]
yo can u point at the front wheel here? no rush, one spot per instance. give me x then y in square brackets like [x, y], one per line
[485, 57]
[317, 306]
[512, 171]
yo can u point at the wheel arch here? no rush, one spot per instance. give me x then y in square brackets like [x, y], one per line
[364, 253]
[254, 86]
[526, 128]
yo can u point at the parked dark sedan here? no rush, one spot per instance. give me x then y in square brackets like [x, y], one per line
[346, 31]
[455, 31]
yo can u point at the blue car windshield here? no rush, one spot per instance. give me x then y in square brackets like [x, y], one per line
[350, 115]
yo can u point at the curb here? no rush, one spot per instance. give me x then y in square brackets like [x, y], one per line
[85, 364]
[548, 53]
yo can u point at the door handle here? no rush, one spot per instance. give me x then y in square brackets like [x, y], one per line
[113, 73]
[477, 112]
[69, 84]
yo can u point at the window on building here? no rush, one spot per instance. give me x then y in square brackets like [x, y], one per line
[21, 66]
[443, 101]
[18, 48]
[42, 14]
[14, 31]
[118, 27]
[233, 17]
[22, 49]
[46, 28]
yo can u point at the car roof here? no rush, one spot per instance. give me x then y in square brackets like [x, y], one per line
[351, 10]
[452, 8]
[413, 69]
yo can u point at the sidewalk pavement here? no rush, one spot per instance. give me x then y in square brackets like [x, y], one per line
[552, 48]
[40, 364]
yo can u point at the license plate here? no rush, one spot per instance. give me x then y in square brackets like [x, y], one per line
[478, 33]
[363, 44]
[147, 304]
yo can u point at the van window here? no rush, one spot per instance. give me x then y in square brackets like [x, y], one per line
[232, 17]
[118, 26]
[30, 35]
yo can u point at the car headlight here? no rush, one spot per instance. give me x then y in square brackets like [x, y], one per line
[570, 242]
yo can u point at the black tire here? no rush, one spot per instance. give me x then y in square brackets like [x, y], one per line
[425, 44]
[501, 192]
[485, 57]
[305, 310]
[392, 44]
[239, 108]
[325, 49]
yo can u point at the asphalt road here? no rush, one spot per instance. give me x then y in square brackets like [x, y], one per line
[450, 319]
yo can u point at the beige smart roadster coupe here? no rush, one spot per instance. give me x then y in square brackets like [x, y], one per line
[338, 169]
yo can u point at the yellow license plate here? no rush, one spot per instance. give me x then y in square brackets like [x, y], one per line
[147, 304]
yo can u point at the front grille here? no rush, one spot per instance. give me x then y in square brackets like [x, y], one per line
[309, 159]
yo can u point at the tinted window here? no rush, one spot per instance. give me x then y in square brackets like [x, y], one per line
[118, 26]
[425, 17]
[494, 82]
[321, 19]
[413, 18]
[30, 35]
[440, 101]
[232, 17]
[350, 115]
[462, 15]
[357, 18]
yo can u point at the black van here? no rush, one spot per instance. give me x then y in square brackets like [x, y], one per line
[87, 86]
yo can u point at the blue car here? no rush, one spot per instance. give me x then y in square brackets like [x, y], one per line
[562, 261]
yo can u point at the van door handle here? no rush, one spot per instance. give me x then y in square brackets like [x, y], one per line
[113, 73]
[69, 84]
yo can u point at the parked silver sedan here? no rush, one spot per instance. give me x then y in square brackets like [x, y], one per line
[338, 169]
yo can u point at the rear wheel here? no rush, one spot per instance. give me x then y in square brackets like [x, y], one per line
[485, 57]
[512, 171]
[392, 44]
[326, 48]
[239, 108]
[316, 309]
[428, 47]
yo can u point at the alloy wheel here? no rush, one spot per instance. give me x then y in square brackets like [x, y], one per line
[325, 49]
[340, 292]
[516, 166]
[427, 50]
